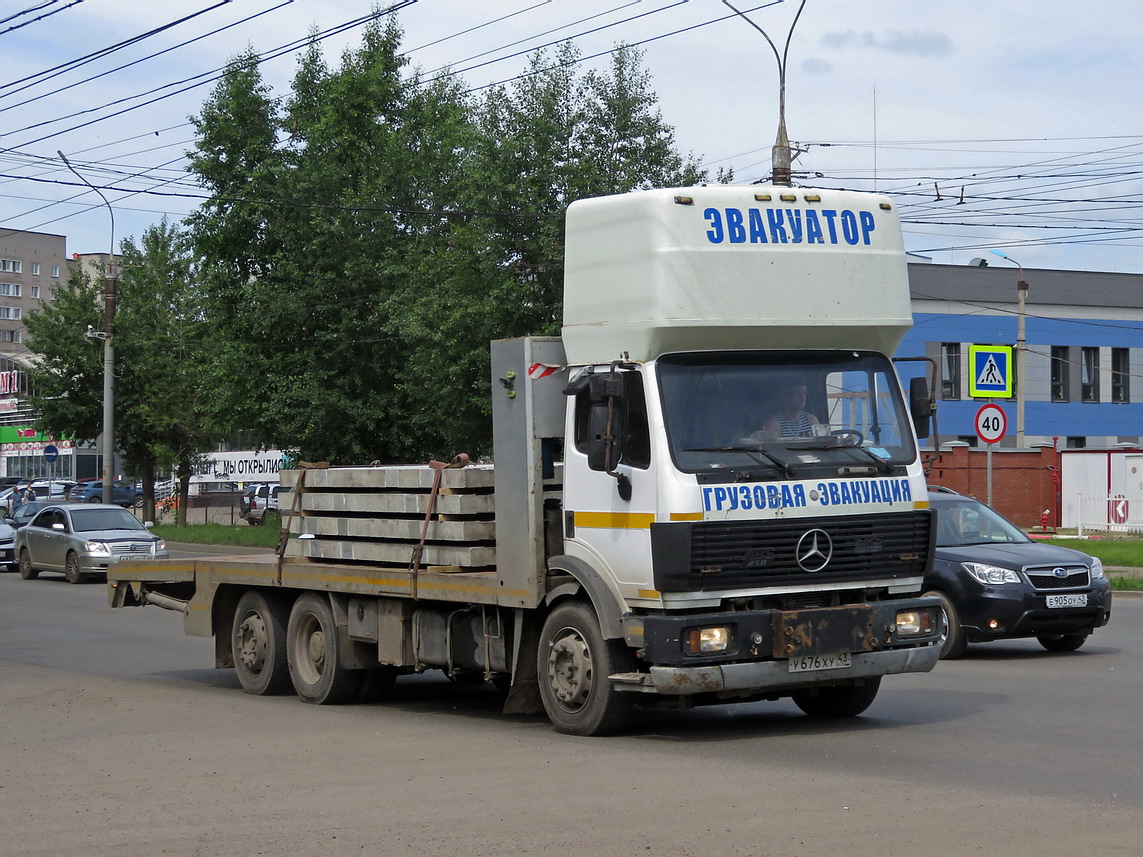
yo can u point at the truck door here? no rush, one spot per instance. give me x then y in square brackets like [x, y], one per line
[609, 512]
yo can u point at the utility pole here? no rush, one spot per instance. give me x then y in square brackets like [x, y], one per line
[1021, 345]
[781, 158]
[110, 282]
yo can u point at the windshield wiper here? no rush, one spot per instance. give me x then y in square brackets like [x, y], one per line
[783, 466]
[881, 463]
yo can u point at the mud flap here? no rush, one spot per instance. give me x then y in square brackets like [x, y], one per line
[524, 694]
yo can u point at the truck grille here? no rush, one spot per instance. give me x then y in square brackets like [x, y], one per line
[731, 554]
[1046, 578]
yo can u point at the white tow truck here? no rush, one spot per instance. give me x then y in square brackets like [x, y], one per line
[706, 490]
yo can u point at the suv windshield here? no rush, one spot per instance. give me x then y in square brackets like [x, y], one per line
[789, 414]
[90, 520]
[964, 521]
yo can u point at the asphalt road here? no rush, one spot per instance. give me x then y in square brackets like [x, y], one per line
[119, 739]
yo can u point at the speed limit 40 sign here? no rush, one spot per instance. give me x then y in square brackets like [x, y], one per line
[991, 423]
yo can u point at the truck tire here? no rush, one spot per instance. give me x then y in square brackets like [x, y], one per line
[258, 644]
[314, 653]
[1062, 642]
[573, 663]
[953, 641]
[836, 702]
[26, 570]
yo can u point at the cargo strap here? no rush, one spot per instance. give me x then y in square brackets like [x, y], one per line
[439, 467]
[284, 536]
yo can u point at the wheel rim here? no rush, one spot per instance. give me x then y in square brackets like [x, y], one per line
[25, 563]
[570, 669]
[72, 570]
[252, 642]
[309, 649]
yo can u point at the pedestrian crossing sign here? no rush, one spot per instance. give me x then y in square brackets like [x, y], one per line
[990, 371]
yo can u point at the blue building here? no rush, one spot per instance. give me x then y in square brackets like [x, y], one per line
[1084, 350]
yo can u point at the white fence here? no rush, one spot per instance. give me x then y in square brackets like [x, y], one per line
[1105, 513]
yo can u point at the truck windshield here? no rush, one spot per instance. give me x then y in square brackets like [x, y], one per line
[784, 414]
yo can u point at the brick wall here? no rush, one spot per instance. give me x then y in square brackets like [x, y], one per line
[1024, 482]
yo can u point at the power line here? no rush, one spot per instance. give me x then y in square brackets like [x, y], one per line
[142, 59]
[55, 71]
[40, 18]
[206, 77]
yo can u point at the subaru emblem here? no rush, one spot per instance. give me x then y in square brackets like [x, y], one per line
[1060, 572]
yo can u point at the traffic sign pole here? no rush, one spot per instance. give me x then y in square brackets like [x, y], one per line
[991, 424]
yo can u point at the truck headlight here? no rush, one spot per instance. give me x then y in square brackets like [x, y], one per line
[910, 623]
[990, 575]
[701, 641]
[1096, 568]
[97, 548]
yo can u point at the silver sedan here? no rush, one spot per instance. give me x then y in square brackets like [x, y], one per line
[81, 539]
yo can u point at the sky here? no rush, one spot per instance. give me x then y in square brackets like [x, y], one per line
[996, 125]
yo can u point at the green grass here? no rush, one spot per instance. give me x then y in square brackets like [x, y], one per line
[1122, 552]
[1114, 552]
[220, 534]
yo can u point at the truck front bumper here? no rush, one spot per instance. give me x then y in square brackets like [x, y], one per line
[762, 676]
[773, 650]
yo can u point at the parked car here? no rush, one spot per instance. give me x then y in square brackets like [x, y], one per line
[7, 547]
[25, 513]
[259, 499]
[45, 489]
[79, 540]
[995, 583]
[122, 493]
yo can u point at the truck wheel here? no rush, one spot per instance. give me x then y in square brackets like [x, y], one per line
[573, 664]
[838, 702]
[953, 641]
[1062, 642]
[258, 643]
[26, 570]
[71, 568]
[314, 654]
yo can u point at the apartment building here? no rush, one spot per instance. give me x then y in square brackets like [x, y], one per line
[33, 265]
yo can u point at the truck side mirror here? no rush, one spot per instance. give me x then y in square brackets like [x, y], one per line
[607, 427]
[921, 406]
[603, 446]
[605, 421]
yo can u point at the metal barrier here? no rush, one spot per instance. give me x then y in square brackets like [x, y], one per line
[1115, 513]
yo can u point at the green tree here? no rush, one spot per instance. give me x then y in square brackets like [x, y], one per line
[391, 227]
[67, 372]
[546, 141]
[164, 359]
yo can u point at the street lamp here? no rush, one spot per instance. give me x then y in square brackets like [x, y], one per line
[781, 158]
[108, 349]
[1021, 346]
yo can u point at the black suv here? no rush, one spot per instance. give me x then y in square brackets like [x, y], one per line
[995, 583]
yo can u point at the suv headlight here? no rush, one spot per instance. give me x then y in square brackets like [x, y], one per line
[990, 575]
[1096, 568]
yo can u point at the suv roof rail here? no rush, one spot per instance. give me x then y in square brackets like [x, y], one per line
[941, 489]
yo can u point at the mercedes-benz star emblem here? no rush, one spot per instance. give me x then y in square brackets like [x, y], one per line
[815, 549]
